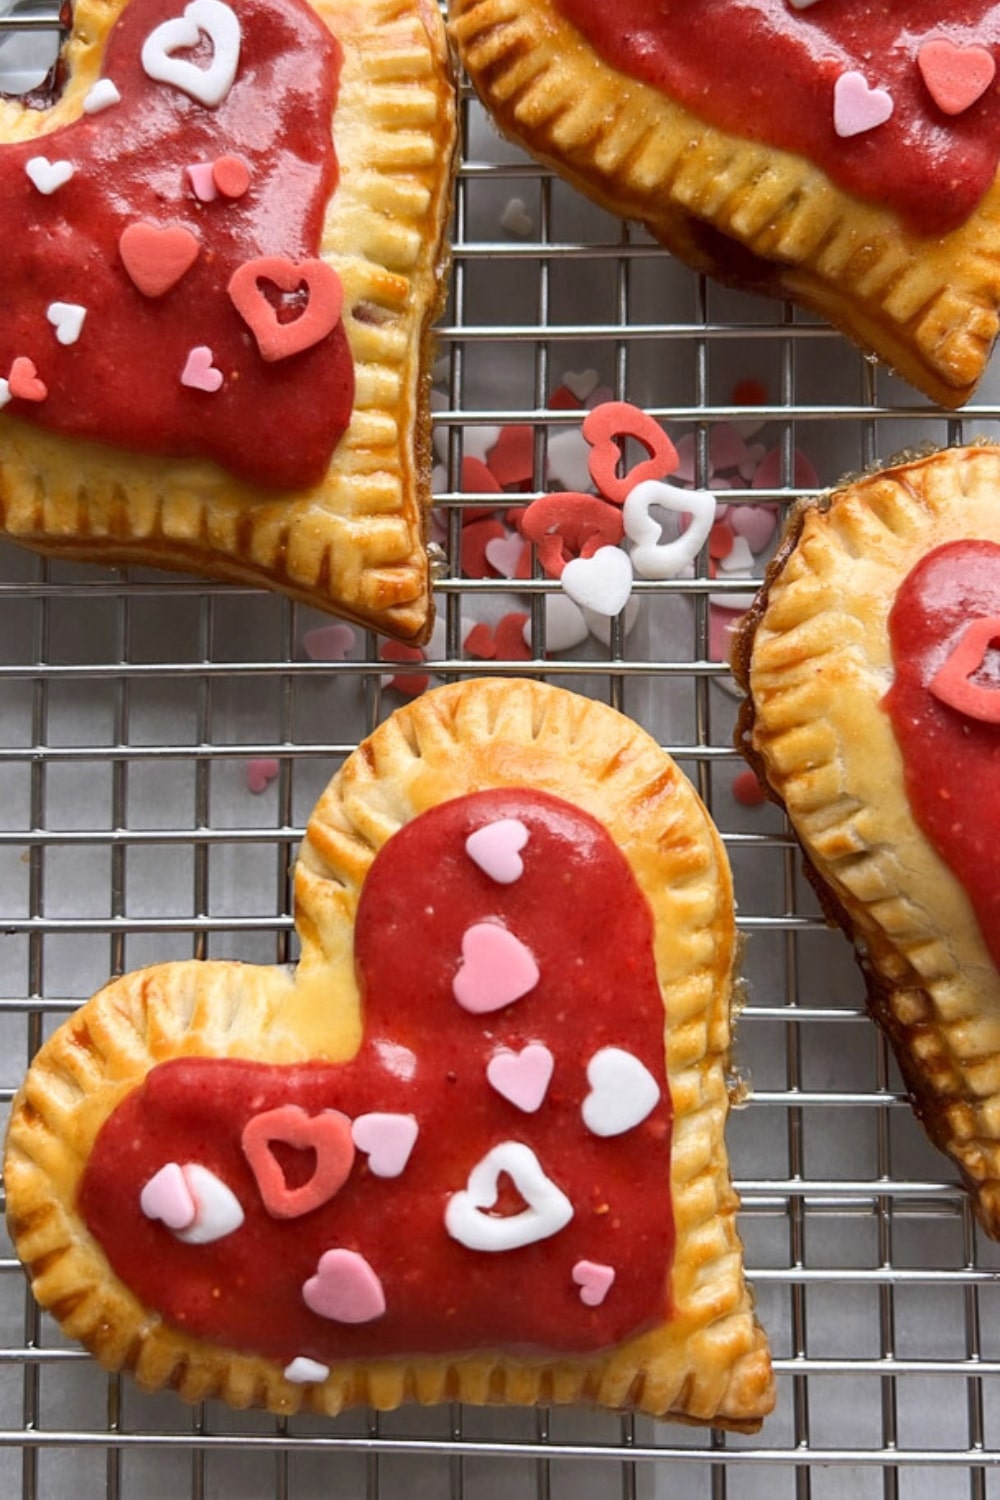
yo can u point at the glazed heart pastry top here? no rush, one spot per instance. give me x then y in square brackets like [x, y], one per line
[893, 102]
[471, 1146]
[161, 284]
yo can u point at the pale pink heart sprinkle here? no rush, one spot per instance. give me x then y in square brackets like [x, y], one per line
[168, 1198]
[199, 373]
[344, 1289]
[503, 553]
[522, 1077]
[496, 849]
[328, 642]
[857, 107]
[387, 1140]
[496, 970]
[260, 773]
[202, 181]
[755, 523]
[594, 1280]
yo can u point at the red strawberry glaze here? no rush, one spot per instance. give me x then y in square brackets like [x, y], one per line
[766, 72]
[275, 424]
[578, 909]
[951, 760]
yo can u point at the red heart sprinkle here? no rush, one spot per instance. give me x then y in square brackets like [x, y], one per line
[231, 176]
[275, 339]
[23, 381]
[511, 460]
[326, 1135]
[568, 525]
[480, 642]
[955, 76]
[410, 684]
[509, 637]
[474, 539]
[606, 427]
[157, 258]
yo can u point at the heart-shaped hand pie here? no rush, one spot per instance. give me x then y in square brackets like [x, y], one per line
[871, 665]
[198, 407]
[349, 1184]
[843, 157]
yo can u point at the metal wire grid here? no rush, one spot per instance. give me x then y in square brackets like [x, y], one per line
[130, 707]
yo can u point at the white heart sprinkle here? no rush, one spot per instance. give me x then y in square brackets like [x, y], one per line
[622, 1092]
[652, 558]
[305, 1371]
[602, 582]
[548, 1209]
[568, 456]
[67, 320]
[516, 218]
[582, 383]
[4, 393]
[101, 95]
[208, 86]
[565, 625]
[218, 1209]
[857, 107]
[48, 176]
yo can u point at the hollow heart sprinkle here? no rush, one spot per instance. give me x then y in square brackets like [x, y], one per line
[199, 372]
[23, 382]
[953, 681]
[326, 1135]
[522, 1077]
[496, 969]
[606, 428]
[956, 77]
[207, 85]
[344, 1289]
[275, 339]
[496, 849]
[651, 557]
[857, 107]
[157, 258]
[594, 1280]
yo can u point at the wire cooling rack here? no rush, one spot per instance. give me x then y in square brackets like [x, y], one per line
[132, 705]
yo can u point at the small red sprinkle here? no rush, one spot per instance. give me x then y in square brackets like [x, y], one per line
[563, 399]
[410, 686]
[749, 393]
[720, 540]
[509, 636]
[474, 539]
[747, 790]
[231, 176]
[511, 460]
[481, 642]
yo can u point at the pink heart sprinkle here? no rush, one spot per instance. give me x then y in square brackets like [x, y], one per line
[857, 107]
[503, 553]
[199, 373]
[344, 1289]
[260, 773]
[328, 642]
[202, 180]
[496, 970]
[496, 849]
[387, 1140]
[522, 1077]
[594, 1280]
[756, 524]
[167, 1197]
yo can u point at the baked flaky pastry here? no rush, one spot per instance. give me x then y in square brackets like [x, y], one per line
[869, 666]
[842, 162]
[517, 1187]
[225, 247]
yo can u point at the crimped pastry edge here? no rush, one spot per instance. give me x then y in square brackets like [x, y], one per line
[926, 989]
[710, 1361]
[763, 219]
[355, 544]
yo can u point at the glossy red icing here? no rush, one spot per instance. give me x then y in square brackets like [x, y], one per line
[765, 71]
[275, 424]
[951, 760]
[579, 910]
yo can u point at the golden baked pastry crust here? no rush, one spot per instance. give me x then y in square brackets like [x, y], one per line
[735, 209]
[355, 543]
[708, 1361]
[815, 660]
